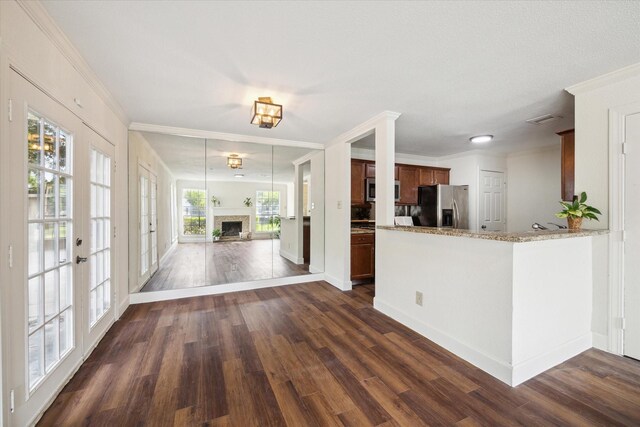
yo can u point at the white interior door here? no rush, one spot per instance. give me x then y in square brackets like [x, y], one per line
[98, 313]
[148, 223]
[43, 332]
[491, 207]
[632, 237]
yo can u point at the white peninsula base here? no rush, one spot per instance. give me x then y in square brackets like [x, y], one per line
[513, 307]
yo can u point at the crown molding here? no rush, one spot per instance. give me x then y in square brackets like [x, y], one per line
[303, 159]
[207, 134]
[39, 15]
[605, 80]
[364, 129]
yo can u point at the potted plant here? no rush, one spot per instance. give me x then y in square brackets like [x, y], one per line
[577, 210]
[216, 233]
[215, 201]
[247, 202]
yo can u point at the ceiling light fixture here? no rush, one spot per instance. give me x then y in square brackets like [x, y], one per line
[479, 139]
[234, 161]
[265, 113]
[239, 175]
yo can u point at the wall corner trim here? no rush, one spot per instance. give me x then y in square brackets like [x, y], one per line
[605, 79]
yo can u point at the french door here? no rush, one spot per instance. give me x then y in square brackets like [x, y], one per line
[56, 253]
[147, 224]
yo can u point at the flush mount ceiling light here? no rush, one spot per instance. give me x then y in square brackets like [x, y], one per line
[265, 113]
[234, 161]
[479, 139]
[239, 175]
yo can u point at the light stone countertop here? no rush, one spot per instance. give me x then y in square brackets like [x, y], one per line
[501, 236]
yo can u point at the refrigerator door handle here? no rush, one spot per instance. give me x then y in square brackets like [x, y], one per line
[455, 214]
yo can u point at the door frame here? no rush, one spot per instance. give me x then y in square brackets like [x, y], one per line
[616, 225]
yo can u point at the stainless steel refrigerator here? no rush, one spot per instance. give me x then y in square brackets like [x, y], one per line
[444, 206]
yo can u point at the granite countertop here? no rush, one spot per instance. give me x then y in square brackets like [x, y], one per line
[363, 231]
[501, 236]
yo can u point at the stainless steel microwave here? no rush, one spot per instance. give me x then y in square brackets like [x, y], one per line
[371, 190]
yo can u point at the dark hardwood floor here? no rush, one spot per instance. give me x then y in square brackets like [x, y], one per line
[310, 355]
[193, 265]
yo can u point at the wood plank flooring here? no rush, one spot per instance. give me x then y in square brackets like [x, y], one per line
[203, 264]
[310, 355]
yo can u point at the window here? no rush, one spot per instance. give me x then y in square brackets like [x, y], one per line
[194, 219]
[267, 211]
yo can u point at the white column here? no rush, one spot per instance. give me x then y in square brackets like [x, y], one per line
[385, 162]
[298, 183]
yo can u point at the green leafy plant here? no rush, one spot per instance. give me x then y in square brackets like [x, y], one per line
[247, 202]
[216, 233]
[578, 209]
[215, 201]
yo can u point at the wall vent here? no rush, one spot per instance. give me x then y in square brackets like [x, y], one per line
[541, 120]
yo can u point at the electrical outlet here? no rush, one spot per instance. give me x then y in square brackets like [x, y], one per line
[339, 204]
[419, 298]
[234, 267]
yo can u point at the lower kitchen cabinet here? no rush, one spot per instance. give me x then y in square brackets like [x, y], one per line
[363, 256]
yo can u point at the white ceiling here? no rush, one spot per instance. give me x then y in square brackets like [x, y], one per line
[186, 159]
[453, 69]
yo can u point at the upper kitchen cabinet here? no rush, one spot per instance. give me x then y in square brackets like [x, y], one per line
[370, 170]
[433, 176]
[409, 177]
[567, 164]
[357, 182]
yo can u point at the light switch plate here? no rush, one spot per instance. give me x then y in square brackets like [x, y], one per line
[419, 298]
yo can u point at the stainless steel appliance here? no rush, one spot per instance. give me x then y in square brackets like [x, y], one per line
[444, 206]
[371, 190]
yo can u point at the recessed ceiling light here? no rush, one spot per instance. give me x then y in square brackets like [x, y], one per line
[239, 175]
[479, 139]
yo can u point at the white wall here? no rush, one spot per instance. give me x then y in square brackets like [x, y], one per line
[141, 153]
[533, 188]
[593, 101]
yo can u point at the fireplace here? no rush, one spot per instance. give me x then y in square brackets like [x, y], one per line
[231, 228]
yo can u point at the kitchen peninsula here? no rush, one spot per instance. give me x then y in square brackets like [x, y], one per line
[512, 304]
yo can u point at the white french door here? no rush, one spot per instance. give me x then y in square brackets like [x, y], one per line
[491, 206]
[48, 294]
[99, 313]
[632, 237]
[148, 224]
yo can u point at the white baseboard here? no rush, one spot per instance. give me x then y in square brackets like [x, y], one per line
[313, 269]
[168, 253]
[144, 297]
[504, 371]
[537, 365]
[600, 341]
[291, 257]
[340, 284]
[496, 368]
[122, 307]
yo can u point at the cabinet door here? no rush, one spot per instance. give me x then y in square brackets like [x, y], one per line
[409, 178]
[362, 260]
[426, 176]
[370, 170]
[357, 182]
[441, 176]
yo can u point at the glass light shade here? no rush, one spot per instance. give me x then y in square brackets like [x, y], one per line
[234, 162]
[265, 113]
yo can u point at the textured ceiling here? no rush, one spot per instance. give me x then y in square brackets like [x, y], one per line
[186, 159]
[453, 69]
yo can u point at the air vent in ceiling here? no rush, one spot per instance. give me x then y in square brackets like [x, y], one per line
[541, 120]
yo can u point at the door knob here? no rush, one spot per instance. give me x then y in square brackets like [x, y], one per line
[80, 259]
[78, 241]
[484, 227]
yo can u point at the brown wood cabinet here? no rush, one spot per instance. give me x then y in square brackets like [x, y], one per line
[567, 165]
[357, 182]
[409, 177]
[370, 170]
[363, 256]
